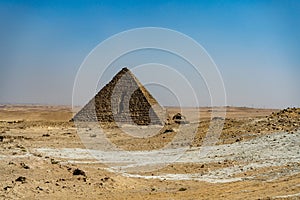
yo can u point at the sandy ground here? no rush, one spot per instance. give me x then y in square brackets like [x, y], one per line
[257, 156]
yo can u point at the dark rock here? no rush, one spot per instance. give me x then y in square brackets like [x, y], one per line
[21, 179]
[54, 161]
[182, 189]
[105, 179]
[7, 187]
[39, 188]
[77, 172]
[24, 165]
[169, 130]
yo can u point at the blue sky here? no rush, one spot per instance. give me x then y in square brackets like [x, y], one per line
[255, 44]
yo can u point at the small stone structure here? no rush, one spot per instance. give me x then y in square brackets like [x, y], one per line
[124, 99]
[179, 119]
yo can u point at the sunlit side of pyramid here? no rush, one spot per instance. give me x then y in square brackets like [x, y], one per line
[124, 99]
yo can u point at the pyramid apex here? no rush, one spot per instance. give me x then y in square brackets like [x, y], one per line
[125, 69]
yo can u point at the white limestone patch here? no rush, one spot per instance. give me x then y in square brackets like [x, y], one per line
[278, 149]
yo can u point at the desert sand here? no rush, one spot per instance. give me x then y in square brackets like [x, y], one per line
[257, 156]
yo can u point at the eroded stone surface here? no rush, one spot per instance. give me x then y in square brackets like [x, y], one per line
[124, 99]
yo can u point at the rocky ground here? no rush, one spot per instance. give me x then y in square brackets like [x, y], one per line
[257, 156]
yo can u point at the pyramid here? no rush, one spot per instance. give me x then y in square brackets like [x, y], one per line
[125, 100]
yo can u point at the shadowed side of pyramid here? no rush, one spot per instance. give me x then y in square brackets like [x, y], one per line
[125, 100]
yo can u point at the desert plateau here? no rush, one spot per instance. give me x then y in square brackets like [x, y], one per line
[257, 157]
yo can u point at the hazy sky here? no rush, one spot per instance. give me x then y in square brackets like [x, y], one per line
[255, 44]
